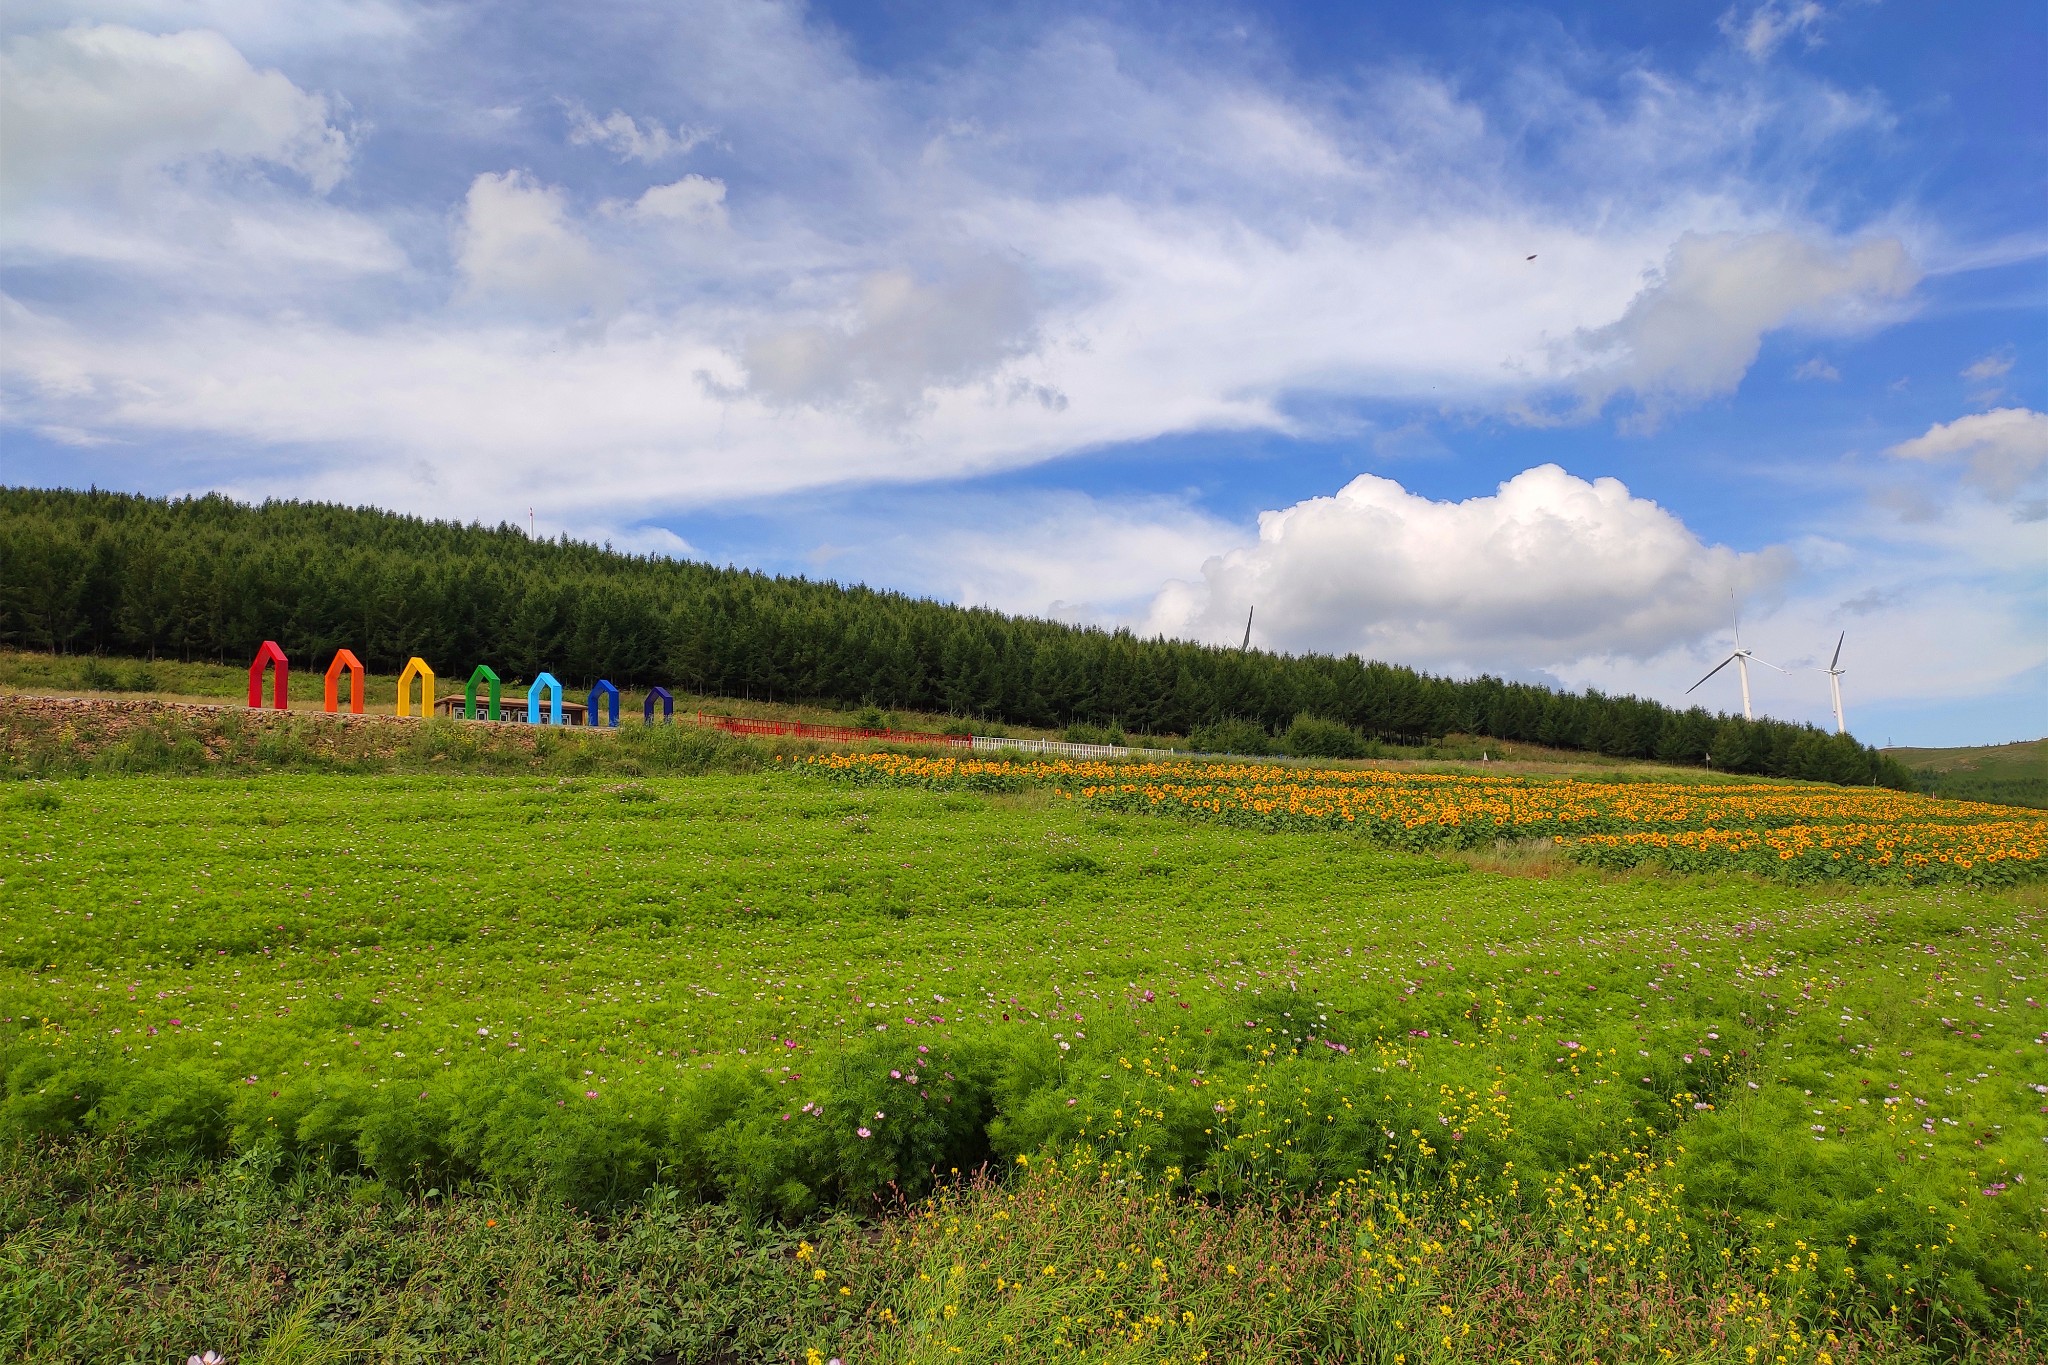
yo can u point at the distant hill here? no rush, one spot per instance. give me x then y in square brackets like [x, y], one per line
[210, 579]
[2010, 774]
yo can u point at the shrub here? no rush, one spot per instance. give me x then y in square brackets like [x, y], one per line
[1093, 734]
[1314, 737]
[1231, 736]
[97, 676]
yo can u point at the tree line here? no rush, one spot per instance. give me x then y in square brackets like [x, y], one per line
[210, 578]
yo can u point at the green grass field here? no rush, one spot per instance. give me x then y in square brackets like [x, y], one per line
[693, 1068]
[2010, 774]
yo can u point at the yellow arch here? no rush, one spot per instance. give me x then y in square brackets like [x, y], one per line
[416, 668]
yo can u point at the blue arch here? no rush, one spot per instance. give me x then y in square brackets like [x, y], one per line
[610, 694]
[554, 691]
[668, 705]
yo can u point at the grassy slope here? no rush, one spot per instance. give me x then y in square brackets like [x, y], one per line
[608, 929]
[2011, 774]
[2027, 758]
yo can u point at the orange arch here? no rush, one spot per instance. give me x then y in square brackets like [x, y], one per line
[280, 682]
[345, 659]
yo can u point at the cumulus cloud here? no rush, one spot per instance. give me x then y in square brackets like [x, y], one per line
[1817, 368]
[516, 241]
[628, 138]
[1548, 570]
[98, 103]
[2004, 449]
[1762, 30]
[1696, 327]
[172, 156]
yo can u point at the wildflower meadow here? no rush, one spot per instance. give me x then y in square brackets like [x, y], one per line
[902, 1061]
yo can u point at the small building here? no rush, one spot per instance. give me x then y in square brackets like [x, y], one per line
[510, 709]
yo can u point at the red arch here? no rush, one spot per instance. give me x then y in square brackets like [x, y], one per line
[280, 684]
[345, 659]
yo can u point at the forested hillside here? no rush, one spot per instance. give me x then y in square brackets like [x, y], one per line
[211, 578]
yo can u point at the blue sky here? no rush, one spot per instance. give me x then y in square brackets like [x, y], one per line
[1131, 314]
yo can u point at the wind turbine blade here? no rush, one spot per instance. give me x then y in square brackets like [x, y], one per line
[1767, 664]
[1711, 672]
[1838, 651]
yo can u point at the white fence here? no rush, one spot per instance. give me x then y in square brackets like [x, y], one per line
[986, 743]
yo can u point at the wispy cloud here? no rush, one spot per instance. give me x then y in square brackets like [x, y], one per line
[1100, 240]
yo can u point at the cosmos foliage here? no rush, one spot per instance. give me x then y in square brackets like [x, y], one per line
[785, 992]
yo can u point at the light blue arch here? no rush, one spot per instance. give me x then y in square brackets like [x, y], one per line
[610, 694]
[554, 690]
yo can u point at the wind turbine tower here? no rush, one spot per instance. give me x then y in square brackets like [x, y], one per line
[1740, 658]
[1835, 672]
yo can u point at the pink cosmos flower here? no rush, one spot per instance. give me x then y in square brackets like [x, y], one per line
[862, 1132]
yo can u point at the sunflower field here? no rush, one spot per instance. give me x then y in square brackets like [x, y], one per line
[1800, 831]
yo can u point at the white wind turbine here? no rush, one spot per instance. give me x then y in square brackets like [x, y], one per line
[1835, 672]
[1740, 658]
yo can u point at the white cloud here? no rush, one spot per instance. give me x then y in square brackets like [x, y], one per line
[2005, 448]
[1987, 375]
[251, 25]
[516, 242]
[1550, 570]
[1695, 329]
[985, 270]
[1989, 369]
[171, 156]
[628, 138]
[1817, 368]
[93, 104]
[1760, 32]
[694, 200]
[1095, 561]
[905, 337]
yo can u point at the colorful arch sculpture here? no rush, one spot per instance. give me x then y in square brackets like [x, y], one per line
[416, 667]
[610, 694]
[554, 691]
[484, 673]
[267, 655]
[668, 705]
[345, 659]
